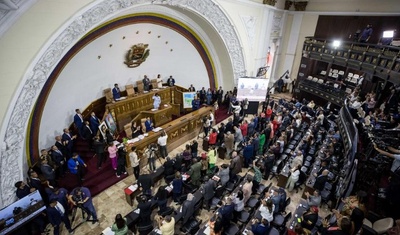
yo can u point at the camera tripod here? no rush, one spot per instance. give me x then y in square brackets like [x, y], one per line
[84, 213]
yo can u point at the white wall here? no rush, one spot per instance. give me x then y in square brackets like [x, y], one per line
[85, 77]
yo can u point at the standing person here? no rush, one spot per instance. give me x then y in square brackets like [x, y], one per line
[121, 160]
[220, 94]
[171, 81]
[68, 141]
[235, 166]
[177, 186]
[162, 143]
[99, 146]
[366, 34]
[267, 210]
[78, 121]
[229, 143]
[221, 134]
[23, 189]
[212, 139]
[59, 161]
[82, 196]
[226, 212]
[94, 123]
[56, 214]
[75, 166]
[145, 182]
[87, 134]
[133, 158]
[293, 178]
[151, 155]
[238, 136]
[187, 208]
[48, 172]
[195, 172]
[209, 96]
[61, 195]
[191, 88]
[223, 174]
[145, 210]
[195, 103]
[119, 227]
[116, 92]
[148, 124]
[156, 101]
[247, 188]
[208, 190]
[146, 83]
[206, 125]
[167, 226]
[161, 198]
[212, 158]
[112, 151]
[239, 204]
[194, 148]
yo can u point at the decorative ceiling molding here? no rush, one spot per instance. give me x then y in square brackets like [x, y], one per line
[10, 11]
[13, 132]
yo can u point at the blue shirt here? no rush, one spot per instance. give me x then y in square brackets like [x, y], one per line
[72, 163]
[116, 94]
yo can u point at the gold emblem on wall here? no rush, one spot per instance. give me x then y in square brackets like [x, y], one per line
[137, 55]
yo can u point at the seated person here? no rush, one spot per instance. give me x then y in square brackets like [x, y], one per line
[344, 226]
[136, 130]
[260, 228]
[313, 200]
[310, 218]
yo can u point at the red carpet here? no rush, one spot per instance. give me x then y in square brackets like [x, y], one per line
[96, 180]
[221, 114]
[99, 180]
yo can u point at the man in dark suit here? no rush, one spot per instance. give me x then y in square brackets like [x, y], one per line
[78, 121]
[48, 172]
[87, 134]
[169, 167]
[94, 123]
[116, 92]
[68, 141]
[36, 183]
[99, 146]
[321, 180]
[60, 144]
[226, 212]
[220, 94]
[187, 208]
[208, 189]
[59, 160]
[56, 214]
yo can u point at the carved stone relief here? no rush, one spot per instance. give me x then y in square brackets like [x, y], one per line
[17, 118]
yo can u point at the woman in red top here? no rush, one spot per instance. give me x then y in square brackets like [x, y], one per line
[212, 138]
[243, 128]
[268, 113]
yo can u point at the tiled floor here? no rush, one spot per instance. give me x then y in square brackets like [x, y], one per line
[112, 200]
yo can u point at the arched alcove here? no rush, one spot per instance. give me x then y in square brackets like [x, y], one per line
[209, 19]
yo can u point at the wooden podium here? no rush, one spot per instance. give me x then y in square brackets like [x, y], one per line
[161, 116]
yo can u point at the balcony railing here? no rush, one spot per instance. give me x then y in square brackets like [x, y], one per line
[378, 60]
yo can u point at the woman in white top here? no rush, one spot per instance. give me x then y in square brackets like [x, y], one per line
[294, 177]
[267, 210]
[133, 158]
[238, 201]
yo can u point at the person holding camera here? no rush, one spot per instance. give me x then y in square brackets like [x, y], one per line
[81, 197]
[151, 155]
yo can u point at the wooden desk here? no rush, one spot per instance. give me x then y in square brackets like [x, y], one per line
[161, 116]
[124, 111]
[179, 131]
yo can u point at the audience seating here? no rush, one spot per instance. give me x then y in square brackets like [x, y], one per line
[140, 86]
[192, 226]
[280, 221]
[380, 226]
[232, 230]
[128, 130]
[274, 231]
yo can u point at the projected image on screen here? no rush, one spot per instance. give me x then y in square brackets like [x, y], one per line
[254, 89]
[21, 211]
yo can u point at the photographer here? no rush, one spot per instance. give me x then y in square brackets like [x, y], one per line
[121, 161]
[80, 197]
[151, 155]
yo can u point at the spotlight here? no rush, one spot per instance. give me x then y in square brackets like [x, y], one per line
[336, 43]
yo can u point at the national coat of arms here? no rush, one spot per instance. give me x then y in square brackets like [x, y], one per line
[137, 55]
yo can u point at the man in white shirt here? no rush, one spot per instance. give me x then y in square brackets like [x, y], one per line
[162, 142]
[211, 117]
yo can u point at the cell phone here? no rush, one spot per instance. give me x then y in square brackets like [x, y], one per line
[299, 220]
